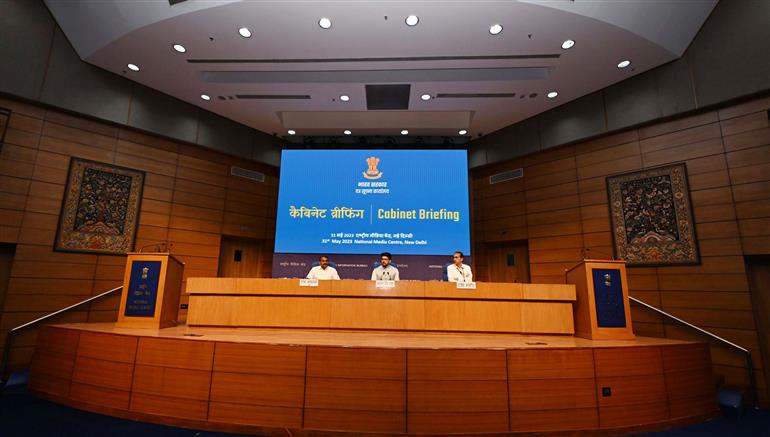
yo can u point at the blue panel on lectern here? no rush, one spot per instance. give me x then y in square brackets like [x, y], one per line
[142, 289]
[608, 292]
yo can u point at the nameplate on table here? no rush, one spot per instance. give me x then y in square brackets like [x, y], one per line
[466, 285]
[308, 282]
[385, 284]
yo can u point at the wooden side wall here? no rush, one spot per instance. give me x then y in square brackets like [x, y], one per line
[560, 207]
[190, 200]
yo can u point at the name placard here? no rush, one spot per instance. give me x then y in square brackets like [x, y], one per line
[308, 282]
[385, 284]
[466, 285]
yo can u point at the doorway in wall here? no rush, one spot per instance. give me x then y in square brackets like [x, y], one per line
[758, 271]
[7, 252]
[508, 262]
[242, 258]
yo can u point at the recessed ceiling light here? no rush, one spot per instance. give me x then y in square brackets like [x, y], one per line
[404, 132]
[205, 97]
[347, 132]
[567, 44]
[325, 23]
[345, 97]
[552, 94]
[133, 67]
[245, 32]
[624, 64]
[495, 29]
[462, 132]
[291, 131]
[425, 97]
[180, 48]
[412, 20]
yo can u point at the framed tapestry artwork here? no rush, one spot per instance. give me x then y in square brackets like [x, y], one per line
[100, 209]
[651, 217]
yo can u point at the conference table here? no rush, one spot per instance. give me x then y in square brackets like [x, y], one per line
[361, 304]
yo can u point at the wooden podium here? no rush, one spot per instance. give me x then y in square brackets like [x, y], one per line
[602, 311]
[151, 288]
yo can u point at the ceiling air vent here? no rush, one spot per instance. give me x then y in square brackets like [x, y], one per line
[247, 174]
[387, 96]
[474, 95]
[273, 96]
[506, 176]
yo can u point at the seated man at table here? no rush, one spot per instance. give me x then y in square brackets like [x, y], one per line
[323, 270]
[385, 271]
[458, 272]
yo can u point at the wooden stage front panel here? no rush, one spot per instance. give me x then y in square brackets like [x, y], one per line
[354, 304]
[265, 381]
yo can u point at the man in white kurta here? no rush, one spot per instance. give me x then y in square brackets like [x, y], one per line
[385, 271]
[459, 272]
[323, 270]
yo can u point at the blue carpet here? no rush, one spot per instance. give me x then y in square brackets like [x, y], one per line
[751, 423]
[23, 415]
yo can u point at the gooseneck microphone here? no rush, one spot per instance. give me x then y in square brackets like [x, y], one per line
[159, 247]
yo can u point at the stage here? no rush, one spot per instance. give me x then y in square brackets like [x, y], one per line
[306, 382]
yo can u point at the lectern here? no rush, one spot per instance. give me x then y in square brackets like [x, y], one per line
[151, 287]
[601, 311]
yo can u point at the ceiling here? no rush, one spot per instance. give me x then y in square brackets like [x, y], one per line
[291, 73]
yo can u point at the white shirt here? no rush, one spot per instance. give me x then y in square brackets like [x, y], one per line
[320, 273]
[459, 274]
[385, 274]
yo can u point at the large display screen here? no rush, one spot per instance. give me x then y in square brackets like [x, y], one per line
[409, 202]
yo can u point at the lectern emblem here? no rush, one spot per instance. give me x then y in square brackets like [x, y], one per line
[144, 272]
[372, 172]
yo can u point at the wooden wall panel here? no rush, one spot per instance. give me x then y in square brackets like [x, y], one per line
[451, 389]
[632, 377]
[99, 396]
[103, 370]
[54, 361]
[109, 347]
[565, 216]
[556, 386]
[258, 384]
[355, 388]
[185, 193]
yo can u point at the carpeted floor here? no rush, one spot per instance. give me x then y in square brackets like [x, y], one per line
[22, 415]
[751, 423]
